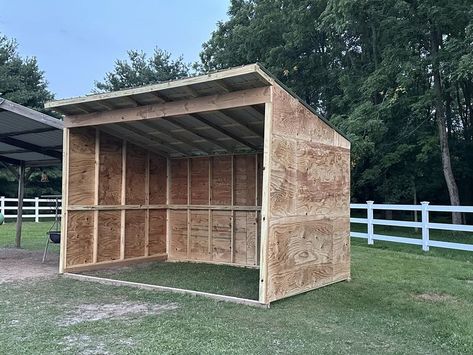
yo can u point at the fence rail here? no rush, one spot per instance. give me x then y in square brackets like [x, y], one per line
[33, 208]
[425, 225]
[42, 208]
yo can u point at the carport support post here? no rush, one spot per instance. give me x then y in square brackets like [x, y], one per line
[19, 213]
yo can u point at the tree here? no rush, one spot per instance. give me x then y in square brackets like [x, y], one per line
[372, 68]
[139, 70]
[21, 80]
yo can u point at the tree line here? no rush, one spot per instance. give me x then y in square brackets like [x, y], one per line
[396, 76]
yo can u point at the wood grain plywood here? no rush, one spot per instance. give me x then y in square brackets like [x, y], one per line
[244, 168]
[221, 236]
[80, 231]
[178, 193]
[309, 191]
[199, 181]
[221, 180]
[135, 175]
[157, 232]
[178, 237]
[108, 242]
[81, 166]
[245, 238]
[157, 180]
[110, 171]
[134, 233]
[323, 180]
[199, 235]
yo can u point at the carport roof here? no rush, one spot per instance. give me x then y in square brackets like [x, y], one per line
[29, 137]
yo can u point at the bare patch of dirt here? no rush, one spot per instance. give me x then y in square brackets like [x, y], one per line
[88, 345]
[94, 312]
[434, 297]
[19, 264]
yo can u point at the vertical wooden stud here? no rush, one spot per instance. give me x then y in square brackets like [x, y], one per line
[168, 211]
[265, 203]
[210, 211]
[188, 210]
[256, 213]
[64, 203]
[96, 196]
[147, 204]
[123, 202]
[232, 218]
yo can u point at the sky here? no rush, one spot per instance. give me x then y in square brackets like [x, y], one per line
[77, 41]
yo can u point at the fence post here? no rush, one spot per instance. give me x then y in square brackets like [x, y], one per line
[369, 215]
[36, 209]
[425, 225]
[2, 205]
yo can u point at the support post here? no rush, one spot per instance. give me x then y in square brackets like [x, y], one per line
[36, 209]
[425, 225]
[19, 214]
[370, 222]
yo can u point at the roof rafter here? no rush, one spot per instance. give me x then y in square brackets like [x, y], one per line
[31, 147]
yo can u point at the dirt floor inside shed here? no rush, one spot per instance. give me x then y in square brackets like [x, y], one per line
[20, 264]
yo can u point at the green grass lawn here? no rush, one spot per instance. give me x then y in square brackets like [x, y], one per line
[399, 301]
[33, 235]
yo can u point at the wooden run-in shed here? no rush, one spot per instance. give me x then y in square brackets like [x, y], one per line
[225, 168]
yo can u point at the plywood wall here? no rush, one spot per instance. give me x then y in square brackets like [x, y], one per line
[306, 229]
[120, 207]
[116, 201]
[215, 209]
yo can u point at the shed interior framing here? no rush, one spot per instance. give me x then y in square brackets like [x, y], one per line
[226, 168]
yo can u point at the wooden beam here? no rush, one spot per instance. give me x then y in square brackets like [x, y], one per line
[222, 85]
[176, 123]
[224, 131]
[123, 202]
[10, 160]
[19, 213]
[150, 287]
[152, 138]
[96, 196]
[176, 136]
[247, 126]
[147, 167]
[174, 108]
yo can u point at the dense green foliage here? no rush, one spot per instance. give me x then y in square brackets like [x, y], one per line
[22, 81]
[138, 70]
[367, 66]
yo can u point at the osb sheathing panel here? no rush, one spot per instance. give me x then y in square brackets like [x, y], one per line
[134, 233]
[79, 248]
[110, 174]
[308, 236]
[135, 175]
[108, 236]
[81, 166]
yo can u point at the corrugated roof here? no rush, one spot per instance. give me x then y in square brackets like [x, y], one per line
[29, 136]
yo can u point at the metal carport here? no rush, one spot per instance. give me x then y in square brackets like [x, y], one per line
[28, 138]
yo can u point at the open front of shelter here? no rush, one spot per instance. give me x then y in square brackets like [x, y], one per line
[226, 168]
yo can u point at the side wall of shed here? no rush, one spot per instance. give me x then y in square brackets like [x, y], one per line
[307, 212]
[110, 185]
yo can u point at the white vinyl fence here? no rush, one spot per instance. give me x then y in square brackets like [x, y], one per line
[425, 225]
[41, 208]
[33, 208]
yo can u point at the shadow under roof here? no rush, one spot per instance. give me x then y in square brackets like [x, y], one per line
[29, 137]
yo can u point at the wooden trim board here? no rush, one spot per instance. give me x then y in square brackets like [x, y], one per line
[157, 288]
